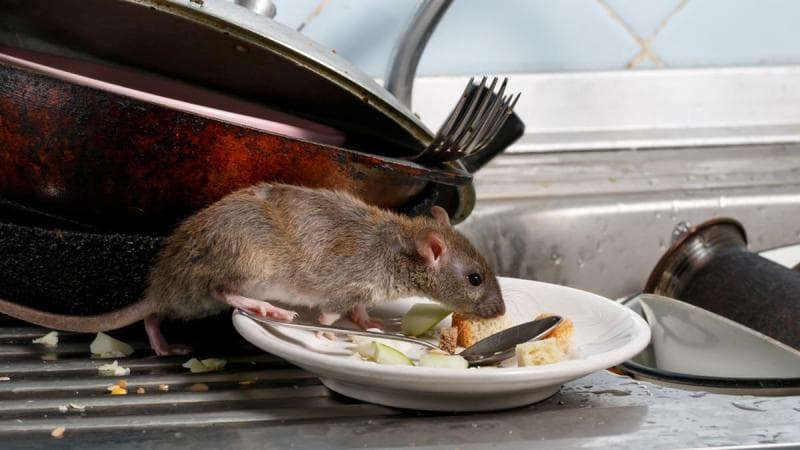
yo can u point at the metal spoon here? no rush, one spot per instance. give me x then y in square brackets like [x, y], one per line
[491, 349]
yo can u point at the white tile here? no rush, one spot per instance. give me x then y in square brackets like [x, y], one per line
[643, 16]
[732, 32]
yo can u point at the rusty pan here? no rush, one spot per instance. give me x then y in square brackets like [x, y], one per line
[126, 158]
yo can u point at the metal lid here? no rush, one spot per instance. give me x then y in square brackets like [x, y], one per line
[227, 47]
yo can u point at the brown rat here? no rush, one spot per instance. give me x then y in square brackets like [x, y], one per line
[298, 247]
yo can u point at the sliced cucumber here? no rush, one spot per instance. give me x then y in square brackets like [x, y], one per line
[422, 317]
[389, 355]
[443, 361]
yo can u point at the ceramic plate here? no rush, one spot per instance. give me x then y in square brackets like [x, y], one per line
[709, 348]
[606, 334]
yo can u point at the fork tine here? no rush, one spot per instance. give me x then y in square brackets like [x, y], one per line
[466, 119]
[476, 121]
[496, 121]
[487, 120]
[452, 118]
[501, 119]
[457, 111]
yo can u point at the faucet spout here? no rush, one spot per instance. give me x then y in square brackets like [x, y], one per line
[399, 78]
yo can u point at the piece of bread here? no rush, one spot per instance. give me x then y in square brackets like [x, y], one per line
[448, 339]
[562, 333]
[473, 329]
[536, 353]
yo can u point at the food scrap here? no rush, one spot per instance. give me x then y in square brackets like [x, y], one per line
[206, 365]
[199, 387]
[71, 407]
[48, 340]
[422, 317]
[5, 378]
[76, 407]
[116, 390]
[537, 353]
[58, 432]
[448, 339]
[114, 369]
[562, 332]
[465, 331]
[105, 346]
[473, 329]
[163, 387]
[119, 388]
[140, 391]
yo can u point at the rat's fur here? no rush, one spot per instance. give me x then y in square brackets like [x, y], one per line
[299, 247]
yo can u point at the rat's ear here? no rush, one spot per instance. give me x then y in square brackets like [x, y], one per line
[440, 215]
[431, 248]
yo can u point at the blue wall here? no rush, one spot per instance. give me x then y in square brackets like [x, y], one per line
[484, 36]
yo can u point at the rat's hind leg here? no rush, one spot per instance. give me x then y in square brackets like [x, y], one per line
[152, 325]
[258, 307]
[360, 317]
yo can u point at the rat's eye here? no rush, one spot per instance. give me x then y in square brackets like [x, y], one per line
[475, 279]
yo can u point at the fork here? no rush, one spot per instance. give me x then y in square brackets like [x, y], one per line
[337, 330]
[471, 125]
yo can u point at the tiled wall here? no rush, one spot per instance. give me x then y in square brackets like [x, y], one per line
[483, 36]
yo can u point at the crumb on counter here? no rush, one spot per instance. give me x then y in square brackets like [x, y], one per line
[48, 340]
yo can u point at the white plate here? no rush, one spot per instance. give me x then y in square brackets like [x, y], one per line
[684, 337]
[606, 334]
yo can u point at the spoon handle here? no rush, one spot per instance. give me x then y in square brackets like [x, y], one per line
[306, 326]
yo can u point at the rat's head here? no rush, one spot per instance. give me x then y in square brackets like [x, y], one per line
[453, 272]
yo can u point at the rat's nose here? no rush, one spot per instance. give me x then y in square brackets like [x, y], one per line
[492, 307]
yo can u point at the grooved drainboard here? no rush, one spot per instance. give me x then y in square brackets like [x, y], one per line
[254, 388]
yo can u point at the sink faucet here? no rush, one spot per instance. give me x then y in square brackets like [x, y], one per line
[408, 50]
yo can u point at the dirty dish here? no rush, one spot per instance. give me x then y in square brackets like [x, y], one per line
[606, 333]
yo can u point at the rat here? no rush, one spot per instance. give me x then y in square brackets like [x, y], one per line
[298, 247]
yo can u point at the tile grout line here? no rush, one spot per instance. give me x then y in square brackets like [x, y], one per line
[646, 51]
[313, 14]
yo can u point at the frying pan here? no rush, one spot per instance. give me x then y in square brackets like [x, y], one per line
[144, 155]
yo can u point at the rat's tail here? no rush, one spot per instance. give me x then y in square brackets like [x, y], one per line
[82, 324]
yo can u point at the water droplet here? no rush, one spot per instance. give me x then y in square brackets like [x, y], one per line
[690, 177]
[662, 246]
[657, 214]
[556, 258]
[722, 201]
[581, 263]
[746, 407]
[680, 229]
[652, 181]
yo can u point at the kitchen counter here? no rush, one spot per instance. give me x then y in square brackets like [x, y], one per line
[286, 407]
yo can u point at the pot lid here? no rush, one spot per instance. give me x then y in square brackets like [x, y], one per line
[226, 47]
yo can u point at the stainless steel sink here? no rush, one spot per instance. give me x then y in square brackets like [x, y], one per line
[612, 162]
[599, 221]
